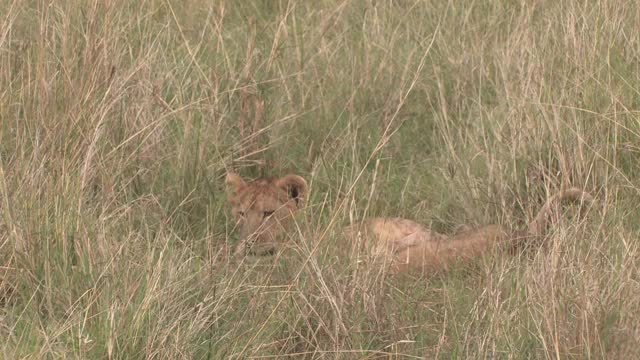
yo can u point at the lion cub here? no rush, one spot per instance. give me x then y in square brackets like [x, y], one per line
[264, 209]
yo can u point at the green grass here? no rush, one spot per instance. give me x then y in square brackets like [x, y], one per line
[119, 120]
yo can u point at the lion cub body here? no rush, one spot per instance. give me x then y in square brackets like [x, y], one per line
[264, 209]
[390, 235]
[463, 246]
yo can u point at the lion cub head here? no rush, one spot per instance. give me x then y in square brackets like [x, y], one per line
[263, 210]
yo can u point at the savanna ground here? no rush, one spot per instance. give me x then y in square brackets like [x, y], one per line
[119, 120]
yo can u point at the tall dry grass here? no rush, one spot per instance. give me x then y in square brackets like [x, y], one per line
[119, 119]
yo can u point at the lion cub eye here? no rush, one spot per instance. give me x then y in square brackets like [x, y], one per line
[267, 214]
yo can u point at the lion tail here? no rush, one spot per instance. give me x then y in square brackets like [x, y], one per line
[538, 225]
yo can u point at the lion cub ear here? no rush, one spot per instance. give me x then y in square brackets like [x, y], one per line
[234, 183]
[295, 186]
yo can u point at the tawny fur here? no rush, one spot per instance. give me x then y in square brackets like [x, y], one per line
[264, 208]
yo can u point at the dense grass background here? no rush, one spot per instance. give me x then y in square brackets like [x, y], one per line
[119, 119]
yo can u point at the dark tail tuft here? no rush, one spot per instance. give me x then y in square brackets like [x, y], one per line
[537, 226]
